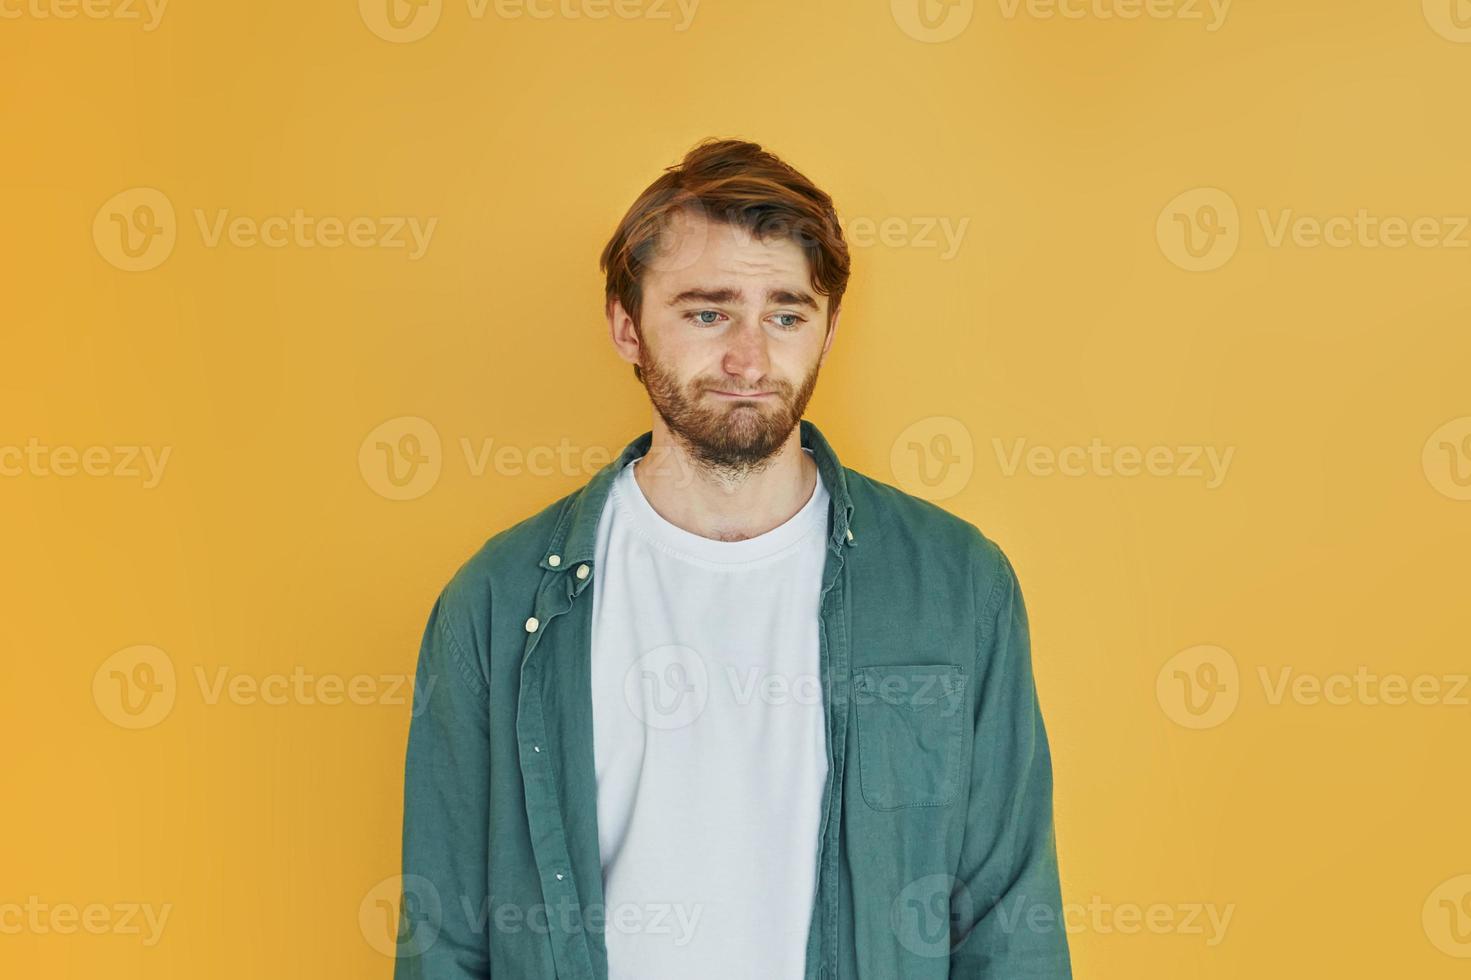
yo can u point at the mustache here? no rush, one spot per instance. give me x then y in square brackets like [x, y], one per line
[778, 389]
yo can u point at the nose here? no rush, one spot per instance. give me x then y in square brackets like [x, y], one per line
[747, 357]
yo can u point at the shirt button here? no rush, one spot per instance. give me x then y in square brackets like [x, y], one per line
[582, 571]
[536, 748]
[559, 876]
[850, 534]
[532, 624]
[554, 560]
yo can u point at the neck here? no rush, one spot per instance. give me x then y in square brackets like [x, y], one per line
[721, 503]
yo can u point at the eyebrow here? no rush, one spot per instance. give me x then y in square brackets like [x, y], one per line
[727, 295]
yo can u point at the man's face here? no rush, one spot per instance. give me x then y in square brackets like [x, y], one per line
[733, 334]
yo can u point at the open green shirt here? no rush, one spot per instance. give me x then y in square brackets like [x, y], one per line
[936, 856]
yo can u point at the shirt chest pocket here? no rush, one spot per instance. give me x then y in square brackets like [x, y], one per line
[910, 720]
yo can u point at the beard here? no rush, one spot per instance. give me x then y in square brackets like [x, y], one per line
[727, 436]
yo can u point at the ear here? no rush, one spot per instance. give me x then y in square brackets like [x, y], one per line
[623, 332]
[832, 332]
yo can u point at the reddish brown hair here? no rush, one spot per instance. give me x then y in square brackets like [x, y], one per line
[736, 183]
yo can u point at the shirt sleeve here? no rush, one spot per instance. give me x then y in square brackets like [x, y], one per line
[446, 775]
[1006, 905]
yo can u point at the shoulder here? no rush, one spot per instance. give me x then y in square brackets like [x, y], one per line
[908, 527]
[503, 570]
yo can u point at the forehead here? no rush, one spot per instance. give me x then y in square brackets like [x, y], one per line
[697, 252]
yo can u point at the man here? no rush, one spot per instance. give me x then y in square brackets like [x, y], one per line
[731, 709]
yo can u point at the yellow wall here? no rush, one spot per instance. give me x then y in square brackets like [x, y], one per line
[1066, 156]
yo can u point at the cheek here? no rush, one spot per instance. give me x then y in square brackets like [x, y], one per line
[678, 354]
[796, 357]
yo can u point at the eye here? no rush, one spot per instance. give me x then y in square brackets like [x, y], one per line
[699, 317]
[796, 320]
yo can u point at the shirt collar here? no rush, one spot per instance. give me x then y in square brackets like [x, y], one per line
[575, 538]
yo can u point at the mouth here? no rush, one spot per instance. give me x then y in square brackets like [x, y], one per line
[745, 394]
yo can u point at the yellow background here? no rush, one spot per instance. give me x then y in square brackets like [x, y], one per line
[1334, 833]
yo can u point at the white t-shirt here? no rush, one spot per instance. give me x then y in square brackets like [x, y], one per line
[709, 741]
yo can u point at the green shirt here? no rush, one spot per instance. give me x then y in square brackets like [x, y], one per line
[936, 856]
